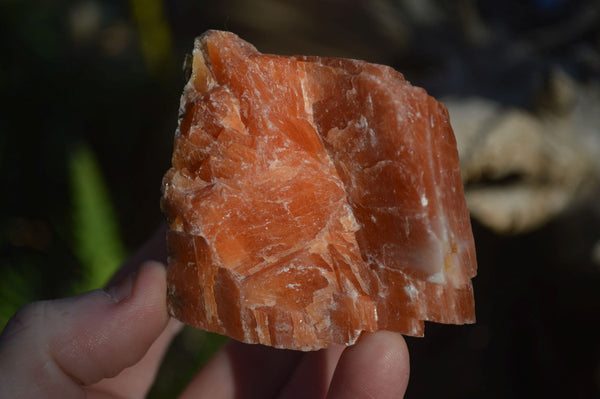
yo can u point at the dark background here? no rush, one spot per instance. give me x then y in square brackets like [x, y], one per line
[90, 93]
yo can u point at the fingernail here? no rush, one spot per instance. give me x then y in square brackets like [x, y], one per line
[122, 289]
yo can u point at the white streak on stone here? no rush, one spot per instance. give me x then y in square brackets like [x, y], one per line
[437, 278]
[411, 291]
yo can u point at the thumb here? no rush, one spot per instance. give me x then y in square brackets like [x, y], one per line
[56, 348]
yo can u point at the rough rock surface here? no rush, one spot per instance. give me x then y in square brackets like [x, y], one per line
[312, 199]
[521, 169]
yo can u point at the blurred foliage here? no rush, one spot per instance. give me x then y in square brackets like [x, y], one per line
[154, 33]
[15, 290]
[97, 241]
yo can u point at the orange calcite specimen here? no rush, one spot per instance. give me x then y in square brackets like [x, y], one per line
[312, 199]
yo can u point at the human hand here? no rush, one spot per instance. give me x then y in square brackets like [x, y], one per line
[109, 344]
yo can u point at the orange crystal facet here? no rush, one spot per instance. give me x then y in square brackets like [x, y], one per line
[312, 199]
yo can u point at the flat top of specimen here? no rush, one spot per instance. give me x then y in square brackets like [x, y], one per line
[312, 199]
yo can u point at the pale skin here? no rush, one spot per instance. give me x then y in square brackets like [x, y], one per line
[110, 343]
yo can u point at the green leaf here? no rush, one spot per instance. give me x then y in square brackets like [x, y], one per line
[154, 35]
[97, 242]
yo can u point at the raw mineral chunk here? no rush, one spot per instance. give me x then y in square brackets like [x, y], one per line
[312, 199]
